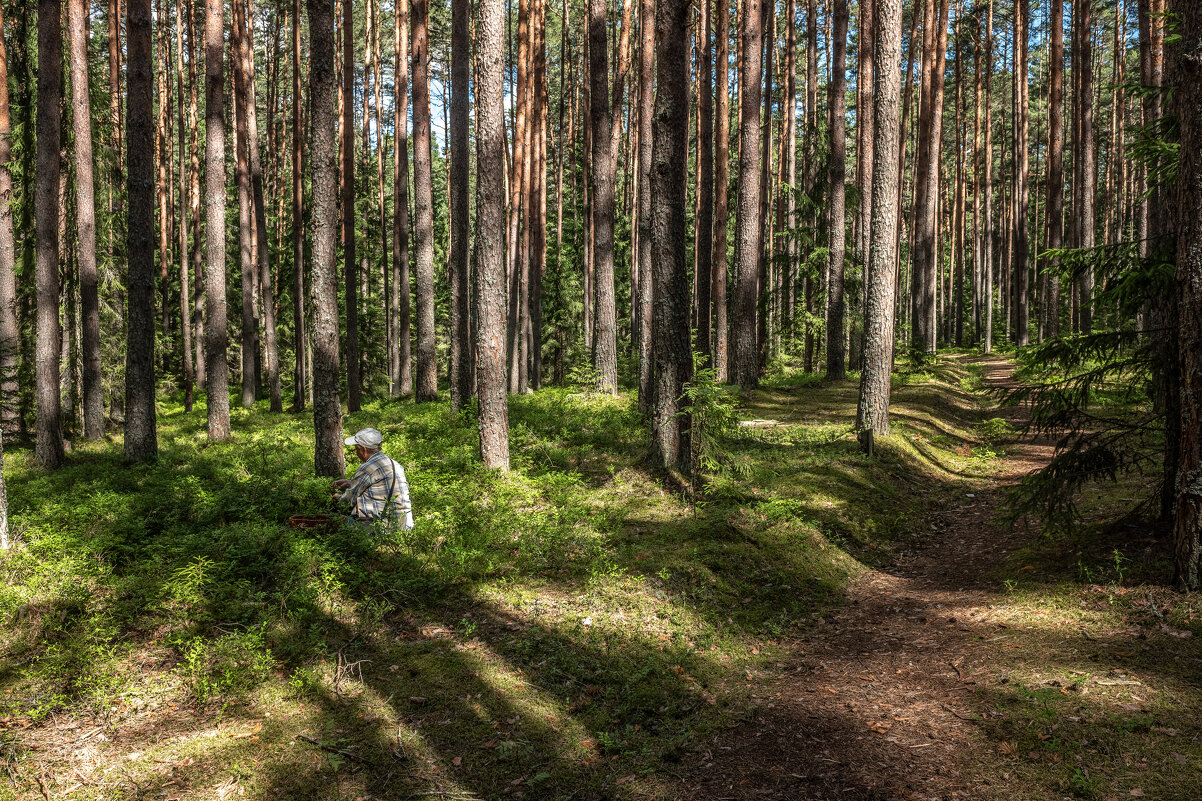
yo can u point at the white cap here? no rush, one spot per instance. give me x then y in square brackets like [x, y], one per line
[368, 438]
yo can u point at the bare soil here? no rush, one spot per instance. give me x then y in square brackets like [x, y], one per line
[875, 705]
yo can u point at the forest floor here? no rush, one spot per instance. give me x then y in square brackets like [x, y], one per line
[822, 625]
[937, 680]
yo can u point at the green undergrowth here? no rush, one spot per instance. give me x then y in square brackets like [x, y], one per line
[567, 629]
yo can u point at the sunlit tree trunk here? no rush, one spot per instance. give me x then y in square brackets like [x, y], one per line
[427, 367]
[402, 382]
[461, 372]
[1086, 165]
[49, 451]
[216, 334]
[718, 325]
[1055, 184]
[645, 107]
[10, 337]
[605, 344]
[1021, 194]
[489, 276]
[300, 377]
[188, 366]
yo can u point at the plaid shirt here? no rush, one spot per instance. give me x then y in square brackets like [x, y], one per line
[378, 488]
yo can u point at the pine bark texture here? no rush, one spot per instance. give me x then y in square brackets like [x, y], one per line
[85, 220]
[10, 337]
[423, 189]
[1188, 99]
[1021, 192]
[141, 438]
[402, 382]
[836, 308]
[246, 233]
[300, 378]
[48, 398]
[670, 346]
[323, 154]
[461, 351]
[605, 323]
[721, 218]
[489, 277]
[873, 411]
[705, 183]
[646, 110]
[350, 266]
[744, 369]
[216, 337]
[1055, 168]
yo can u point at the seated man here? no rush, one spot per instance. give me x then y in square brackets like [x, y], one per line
[378, 490]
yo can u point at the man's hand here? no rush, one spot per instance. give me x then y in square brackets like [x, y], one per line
[339, 486]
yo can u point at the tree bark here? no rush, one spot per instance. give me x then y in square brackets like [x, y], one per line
[427, 368]
[300, 377]
[721, 218]
[10, 335]
[85, 218]
[836, 367]
[141, 440]
[646, 107]
[1021, 192]
[188, 366]
[703, 248]
[872, 413]
[489, 276]
[216, 334]
[745, 369]
[1086, 166]
[402, 382]
[246, 262]
[461, 351]
[1055, 198]
[1187, 55]
[323, 155]
[354, 384]
[49, 449]
[670, 345]
[605, 326]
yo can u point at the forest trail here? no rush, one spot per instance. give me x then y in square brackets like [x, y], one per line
[875, 704]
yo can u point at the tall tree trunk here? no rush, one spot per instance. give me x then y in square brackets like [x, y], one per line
[10, 335]
[835, 357]
[85, 213]
[745, 369]
[489, 277]
[49, 451]
[262, 251]
[645, 105]
[1187, 65]
[299, 373]
[461, 367]
[518, 198]
[670, 332]
[188, 367]
[719, 224]
[1087, 163]
[115, 115]
[141, 439]
[811, 171]
[1055, 199]
[423, 188]
[763, 281]
[789, 270]
[354, 384]
[605, 342]
[1021, 194]
[703, 249]
[987, 235]
[402, 382]
[246, 261]
[864, 131]
[198, 240]
[872, 413]
[323, 155]
[216, 335]
[926, 205]
[538, 201]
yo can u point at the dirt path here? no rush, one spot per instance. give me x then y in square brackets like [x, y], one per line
[875, 704]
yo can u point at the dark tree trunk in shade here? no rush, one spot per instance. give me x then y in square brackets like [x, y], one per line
[85, 216]
[763, 280]
[262, 250]
[323, 156]
[198, 240]
[1186, 63]
[1055, 168]
[423, 189]
[605, 344]
[1021, 300]
[1086, 167]
[300, 377]
[744, 370]
[836, 305]
[10, 336]
[461, 351]
[216, 334]
[721, 216]
[864, 135]
[187, 365]
[246, 233]
[646, 108]
[402, 376]
[488, 294]
[49, 451]
[705, 183]
[872, 413]
[987, 189]
[350, 266]
[141, 440]
[670, 344]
